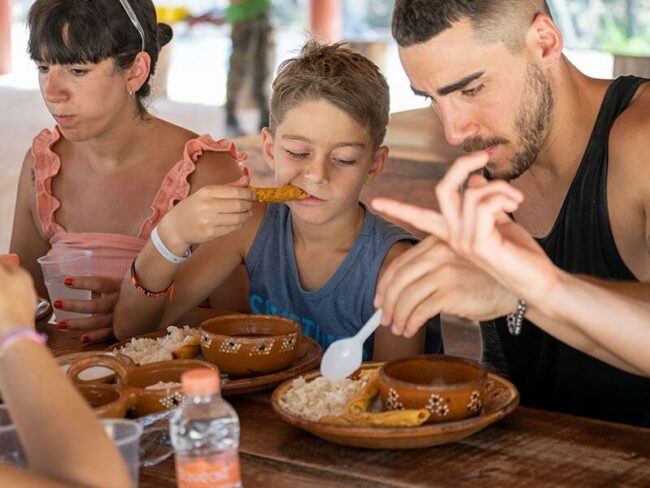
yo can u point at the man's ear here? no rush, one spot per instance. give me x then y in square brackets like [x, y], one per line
[137, 73]
[545, 38]
[267, 148]
[378, 164]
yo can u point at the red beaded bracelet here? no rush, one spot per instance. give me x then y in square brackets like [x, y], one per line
[169, 291]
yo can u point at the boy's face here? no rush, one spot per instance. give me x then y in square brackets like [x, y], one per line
[321, 149]
[485, 96]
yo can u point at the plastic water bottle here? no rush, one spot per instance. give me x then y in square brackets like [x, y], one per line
[205, 434]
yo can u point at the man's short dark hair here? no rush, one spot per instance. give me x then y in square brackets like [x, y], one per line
[417, 21]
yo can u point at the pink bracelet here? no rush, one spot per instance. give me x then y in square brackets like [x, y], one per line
[8, 340]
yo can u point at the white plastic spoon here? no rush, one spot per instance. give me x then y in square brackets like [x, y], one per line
[344, 356]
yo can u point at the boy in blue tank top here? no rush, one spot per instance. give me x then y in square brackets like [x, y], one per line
[316, 260]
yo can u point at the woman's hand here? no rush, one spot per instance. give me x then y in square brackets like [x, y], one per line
[17, 299]
[211, 212]
[105, 292]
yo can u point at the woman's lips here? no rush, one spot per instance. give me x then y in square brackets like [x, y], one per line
[63, 119]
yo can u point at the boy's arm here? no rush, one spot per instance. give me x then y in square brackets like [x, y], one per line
[387, 345]
[194, 280]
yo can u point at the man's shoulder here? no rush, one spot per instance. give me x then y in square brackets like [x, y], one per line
[629, 135]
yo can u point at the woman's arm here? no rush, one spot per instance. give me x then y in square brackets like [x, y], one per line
[60, 433]
[26, 240]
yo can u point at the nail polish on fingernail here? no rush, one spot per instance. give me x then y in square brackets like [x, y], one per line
[62, 325]
[85, 339]
[68, 282]
[58, 304]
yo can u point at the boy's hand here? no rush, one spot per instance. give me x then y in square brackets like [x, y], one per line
[17, 299]
[211, 212]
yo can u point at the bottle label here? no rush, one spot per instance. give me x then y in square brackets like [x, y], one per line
[215, 470]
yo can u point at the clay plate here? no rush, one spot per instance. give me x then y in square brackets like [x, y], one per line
[307, 358]
[501, 398]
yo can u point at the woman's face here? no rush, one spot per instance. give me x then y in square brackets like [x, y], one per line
[85, 99]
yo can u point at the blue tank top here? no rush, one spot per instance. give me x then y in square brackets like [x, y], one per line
[341, 306]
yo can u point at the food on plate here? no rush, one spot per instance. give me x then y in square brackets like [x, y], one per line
[179, 343]
[320, 397]
[361, 402]
[278, 194]
[163, 385]
[391, 418]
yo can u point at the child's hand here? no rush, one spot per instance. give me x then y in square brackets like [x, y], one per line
[211, 212]
[99, 326]
[17, 298]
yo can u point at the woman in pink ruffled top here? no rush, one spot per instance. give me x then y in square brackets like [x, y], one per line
[106, 174]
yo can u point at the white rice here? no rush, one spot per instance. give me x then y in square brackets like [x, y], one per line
[163, 385]
[147, 350]
[319, 397]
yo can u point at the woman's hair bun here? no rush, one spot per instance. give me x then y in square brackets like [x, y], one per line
[165, 34]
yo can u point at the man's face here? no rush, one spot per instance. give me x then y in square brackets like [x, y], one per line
[485, 96]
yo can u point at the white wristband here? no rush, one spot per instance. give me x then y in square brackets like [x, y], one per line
[166, 253]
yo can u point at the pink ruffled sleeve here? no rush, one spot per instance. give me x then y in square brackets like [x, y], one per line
[47, 165]
[175, 187]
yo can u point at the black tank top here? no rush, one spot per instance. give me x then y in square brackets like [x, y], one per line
[548, 373]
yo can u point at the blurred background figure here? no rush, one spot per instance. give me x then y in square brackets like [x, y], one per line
[250, 33]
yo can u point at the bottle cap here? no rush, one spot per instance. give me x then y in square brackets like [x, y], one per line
[200, 382]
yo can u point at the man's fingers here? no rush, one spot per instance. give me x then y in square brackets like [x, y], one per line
[448, 190]
[421, 218]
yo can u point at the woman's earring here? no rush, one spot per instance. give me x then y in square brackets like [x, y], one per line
[130, 93]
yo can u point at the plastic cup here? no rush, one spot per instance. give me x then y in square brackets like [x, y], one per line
[57, 268]
[124, 433]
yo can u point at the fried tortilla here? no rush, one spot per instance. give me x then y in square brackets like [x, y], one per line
[362, 400]
[392, 418]
[278, 194]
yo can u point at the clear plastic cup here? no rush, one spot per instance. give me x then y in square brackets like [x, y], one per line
[57, 268]
[124, 433]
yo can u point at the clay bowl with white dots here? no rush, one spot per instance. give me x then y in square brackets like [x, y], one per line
[247, 345]
[450, 388]
[148, 388]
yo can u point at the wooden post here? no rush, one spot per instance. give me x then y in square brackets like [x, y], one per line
[325, 18]
[5, 36]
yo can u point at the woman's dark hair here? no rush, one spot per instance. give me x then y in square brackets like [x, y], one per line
[89, 31]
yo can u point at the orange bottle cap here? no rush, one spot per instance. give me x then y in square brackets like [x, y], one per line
[200, 382]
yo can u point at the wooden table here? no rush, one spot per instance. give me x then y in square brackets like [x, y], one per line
[528, 447]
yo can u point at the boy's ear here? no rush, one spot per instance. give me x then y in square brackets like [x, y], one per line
[378, 164]
[267, 148]
[137, 73]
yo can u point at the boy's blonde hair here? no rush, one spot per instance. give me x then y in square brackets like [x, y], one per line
[338, 75]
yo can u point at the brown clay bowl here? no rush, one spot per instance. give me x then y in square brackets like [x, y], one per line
[134, 380]
[106, 400]
[450, 388]
[245, 345]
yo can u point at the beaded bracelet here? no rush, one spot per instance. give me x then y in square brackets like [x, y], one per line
[166, 253]
[515, 319]
[169, 291]
[12, 337]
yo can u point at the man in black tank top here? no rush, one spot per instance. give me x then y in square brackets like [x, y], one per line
[578, 150]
